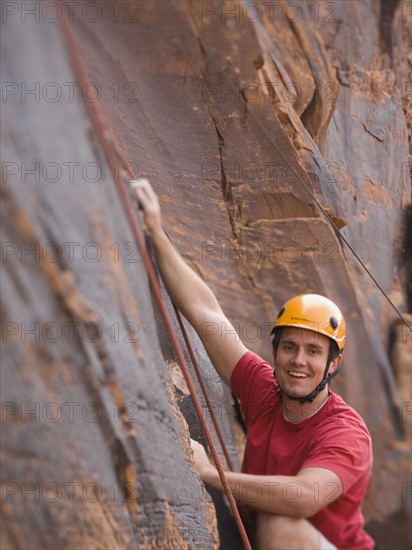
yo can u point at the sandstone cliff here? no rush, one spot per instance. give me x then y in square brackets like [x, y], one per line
[258, 123]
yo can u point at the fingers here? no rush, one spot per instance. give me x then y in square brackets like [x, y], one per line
[144, 192]
[149, 204]
[142, 182]
[143, 185]
[200, 459]
[198, 450]
[143, 189]
[194, 444]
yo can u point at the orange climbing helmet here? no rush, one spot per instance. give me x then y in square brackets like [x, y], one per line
[313, 312]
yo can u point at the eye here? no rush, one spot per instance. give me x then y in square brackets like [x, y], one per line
[287, 347]
[313, 351]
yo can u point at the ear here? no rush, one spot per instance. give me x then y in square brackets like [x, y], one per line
[335, 363]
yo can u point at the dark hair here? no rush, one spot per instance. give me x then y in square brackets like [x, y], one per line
[334, 350]
[277, 332]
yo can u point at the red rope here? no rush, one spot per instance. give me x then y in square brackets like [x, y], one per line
[103, 134]
[204, 391]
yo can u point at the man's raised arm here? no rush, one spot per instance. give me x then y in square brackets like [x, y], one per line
[189, 292]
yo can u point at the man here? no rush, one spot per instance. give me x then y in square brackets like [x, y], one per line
[308, 455]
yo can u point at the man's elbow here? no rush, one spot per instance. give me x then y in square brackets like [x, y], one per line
[302, 508]
[309, 506]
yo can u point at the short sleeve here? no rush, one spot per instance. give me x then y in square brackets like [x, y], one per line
[253, 383]
[345, 449]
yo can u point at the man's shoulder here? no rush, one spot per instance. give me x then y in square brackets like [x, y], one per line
[251, 366]
[339, 406]
[341, 442]
[253, 379]
[251, 357]
[339, 413]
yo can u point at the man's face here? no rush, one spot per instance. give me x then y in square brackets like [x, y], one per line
[301, 360]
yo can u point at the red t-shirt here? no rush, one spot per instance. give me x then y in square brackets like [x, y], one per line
[335, 438]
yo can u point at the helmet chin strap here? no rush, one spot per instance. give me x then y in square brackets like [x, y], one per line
[320, 387]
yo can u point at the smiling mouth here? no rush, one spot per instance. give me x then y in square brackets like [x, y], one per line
[296, 374]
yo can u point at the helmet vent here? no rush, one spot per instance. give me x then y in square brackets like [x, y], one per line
[334, 323]
[281, 312]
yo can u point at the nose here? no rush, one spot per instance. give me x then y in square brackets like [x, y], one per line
[300, 357]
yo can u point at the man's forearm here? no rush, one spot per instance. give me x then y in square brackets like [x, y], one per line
[283, 495]
[187, 290]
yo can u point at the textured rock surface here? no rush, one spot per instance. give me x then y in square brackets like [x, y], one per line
[244, 116]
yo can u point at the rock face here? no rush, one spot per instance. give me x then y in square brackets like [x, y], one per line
[264, 127]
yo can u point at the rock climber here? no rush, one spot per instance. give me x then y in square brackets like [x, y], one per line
[308, 454]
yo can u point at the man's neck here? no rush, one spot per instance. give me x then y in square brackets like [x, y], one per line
[294, 411]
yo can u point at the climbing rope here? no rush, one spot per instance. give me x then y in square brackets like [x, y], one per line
[103, 136]
[204, 391]
[192, 356]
